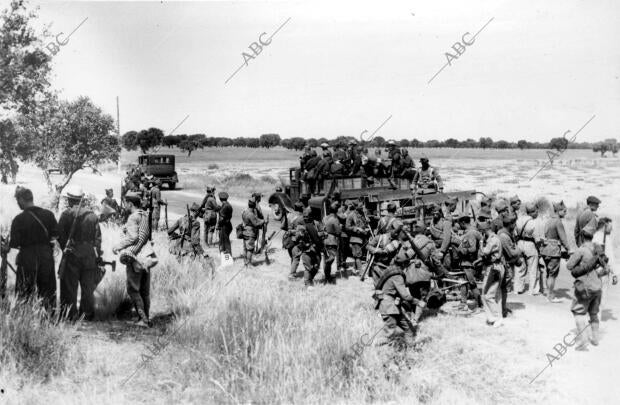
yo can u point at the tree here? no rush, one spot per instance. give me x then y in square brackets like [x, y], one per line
[485, 142]
[501, 144]
[559, 144]
[23, 82]
[129, 140]
[452, 143]
[149, 138]
[312, 142]
[403, 143]
[187, 146]
[523, 144]
[414, 143]
[269, 140]
[170, 141]
[68, 136]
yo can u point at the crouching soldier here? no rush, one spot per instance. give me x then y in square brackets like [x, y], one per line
[309, 237]
[138, 257]
[587, 268]
[251, 226]
[391, 294]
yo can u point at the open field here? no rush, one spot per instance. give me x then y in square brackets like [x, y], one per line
[252, 336]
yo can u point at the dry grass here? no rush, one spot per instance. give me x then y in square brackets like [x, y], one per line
[234, 183]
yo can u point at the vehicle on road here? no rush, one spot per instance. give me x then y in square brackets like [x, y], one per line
[161, 167]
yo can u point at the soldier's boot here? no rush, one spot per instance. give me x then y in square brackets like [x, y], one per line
[581, 323]
[417, 315]
[594, 339]
[248, 258]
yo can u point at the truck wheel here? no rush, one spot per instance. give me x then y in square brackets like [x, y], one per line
[171, 186]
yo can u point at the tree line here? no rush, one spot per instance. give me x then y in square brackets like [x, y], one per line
[153, 138]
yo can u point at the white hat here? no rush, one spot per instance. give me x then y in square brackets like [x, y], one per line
[391, 142]
[324, 145]
[74, 192]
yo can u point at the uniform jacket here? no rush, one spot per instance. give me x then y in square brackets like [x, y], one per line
[111, 202]
[27, 231]
[226, 212]
[469, 247]
[442, 231]
[210, 206]
[427, 178]
[585, 217]
[555, 237]
[383, 247]
[87, 234]
[251, 223]
[333, 229]
[309, 237]
[190, 237]
[492, 249]
[583, 264]
[393, 288]
[355, 227]
[511, 252]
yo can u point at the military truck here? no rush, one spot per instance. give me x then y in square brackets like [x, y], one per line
[375, 195]
[161, 167]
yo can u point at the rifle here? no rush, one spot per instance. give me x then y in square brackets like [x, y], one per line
[604, 261]
[166, 214]
[4, 241]
[368, 266]
[150, 216]
[69, 245]
[189, 226]
[266, 246]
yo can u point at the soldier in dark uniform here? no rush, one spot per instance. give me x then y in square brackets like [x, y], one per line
[324, 170]
[224, 225]
[333, 230]
[289, 240]
[310, 173]
[309, 237]
[157, 202]
[389, 220]
[82, 254]
[407, 166]
[441, 232]
[251, 226]
[34, 232]
[554, 245]
[211, 208]
[585, 217]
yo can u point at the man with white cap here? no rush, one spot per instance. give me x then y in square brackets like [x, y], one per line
[80, 238]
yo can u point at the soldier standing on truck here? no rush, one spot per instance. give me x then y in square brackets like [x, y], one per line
[211, 208]
[427, 180]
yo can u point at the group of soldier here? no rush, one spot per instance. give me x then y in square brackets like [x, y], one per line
[357, 161]
[481, 255]
[77, 233]
[500, 249]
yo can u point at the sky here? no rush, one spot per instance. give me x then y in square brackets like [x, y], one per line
[536, 70]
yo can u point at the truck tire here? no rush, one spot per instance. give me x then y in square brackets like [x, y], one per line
[171, 186]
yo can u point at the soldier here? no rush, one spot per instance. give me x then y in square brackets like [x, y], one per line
[157, 202]
[515, 204]
[339, 155]
[587, 269]
[324, 169]
[427, 180]
[310, 173]
[344, 246]
[309, 236]
[333, 230]
[554, 246]
[224, 225]
[389, 220]
[324, 149]
[211, 208]
[110, 202]
[467, 251]
[432, 258]
[251, 226]
[585, 217]
[526, 241]
[357, 229]
[440, 230]
[512, 256]
[493, 286]
[138, 257]
[384, 247]
[391, 292]
[501, 207]
[337, 169]
[289, 241]
[81, 254]
[188, 235]
[33, 232]
[407, 166]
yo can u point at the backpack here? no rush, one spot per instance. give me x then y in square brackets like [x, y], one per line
[239, 231]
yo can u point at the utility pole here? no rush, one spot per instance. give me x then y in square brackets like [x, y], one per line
[118, 132]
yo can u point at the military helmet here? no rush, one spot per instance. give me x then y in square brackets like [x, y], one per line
[593, 200]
